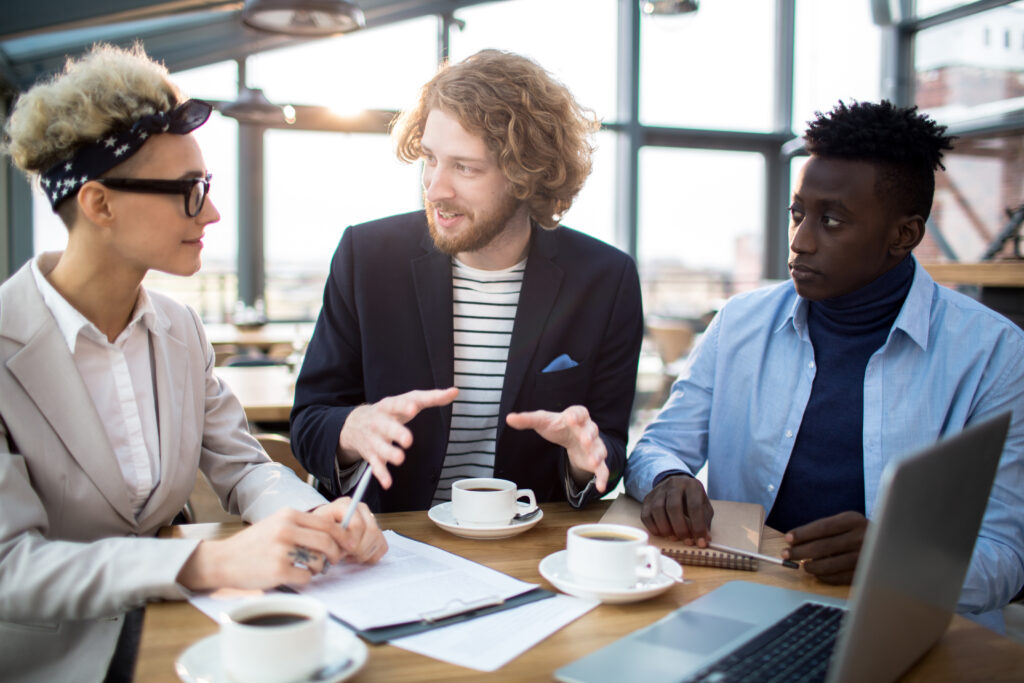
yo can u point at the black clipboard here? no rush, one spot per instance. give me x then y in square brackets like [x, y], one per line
[453, 615]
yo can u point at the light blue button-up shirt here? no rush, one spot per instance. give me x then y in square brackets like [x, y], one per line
[947, 362]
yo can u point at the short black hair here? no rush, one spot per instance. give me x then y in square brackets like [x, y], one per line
[906, 146]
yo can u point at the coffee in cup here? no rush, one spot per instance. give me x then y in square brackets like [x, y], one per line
[489, 502]
[273, 639]
[610, 556]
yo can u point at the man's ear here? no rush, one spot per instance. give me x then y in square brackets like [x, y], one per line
[909, 233]
[94, 203]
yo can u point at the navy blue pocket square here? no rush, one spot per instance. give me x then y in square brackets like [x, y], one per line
[563, 362]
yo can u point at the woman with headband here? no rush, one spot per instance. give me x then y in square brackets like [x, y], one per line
[108, 401]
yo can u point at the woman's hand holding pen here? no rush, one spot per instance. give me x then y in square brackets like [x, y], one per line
[289, 547]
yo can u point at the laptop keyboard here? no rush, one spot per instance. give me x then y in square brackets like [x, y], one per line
[796, 648]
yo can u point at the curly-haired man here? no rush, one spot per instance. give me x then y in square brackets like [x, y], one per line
[800, 393]
[478, 337]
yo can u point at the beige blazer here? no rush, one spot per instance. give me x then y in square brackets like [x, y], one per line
[73, 556]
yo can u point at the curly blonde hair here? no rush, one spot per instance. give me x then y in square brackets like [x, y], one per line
[106, 89]
[528, 120]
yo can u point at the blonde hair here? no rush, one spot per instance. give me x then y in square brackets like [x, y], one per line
[106, 89]
[528, 120]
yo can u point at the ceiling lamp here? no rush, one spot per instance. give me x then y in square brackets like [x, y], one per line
[253, 107]
[669, 6]
[303, 17]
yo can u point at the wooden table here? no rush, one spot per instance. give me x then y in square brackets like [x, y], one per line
[265, 391]
[967, 652]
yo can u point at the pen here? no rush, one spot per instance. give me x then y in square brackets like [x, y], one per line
[356, 497]
[758, 556]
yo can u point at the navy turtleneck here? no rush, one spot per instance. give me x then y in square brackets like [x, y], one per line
[825, 474]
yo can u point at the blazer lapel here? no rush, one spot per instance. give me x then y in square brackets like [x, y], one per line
[432, 276]
[172, 384]
[541, 282]
[46, 370]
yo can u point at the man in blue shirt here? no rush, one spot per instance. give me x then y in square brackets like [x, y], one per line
[799, 394]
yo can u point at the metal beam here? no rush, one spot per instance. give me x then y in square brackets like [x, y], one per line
[775, 251]
[19, 18]
[630, 136]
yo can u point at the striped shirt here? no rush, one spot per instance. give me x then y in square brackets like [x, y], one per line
[484, 307]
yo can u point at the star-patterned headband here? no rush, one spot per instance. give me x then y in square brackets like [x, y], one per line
[63, 179]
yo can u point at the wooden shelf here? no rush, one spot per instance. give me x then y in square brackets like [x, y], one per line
[989, 274]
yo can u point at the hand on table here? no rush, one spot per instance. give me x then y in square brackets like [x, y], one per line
[377, 433]
[828, 547]
[289, 547]
[573, 430]
[678, 507]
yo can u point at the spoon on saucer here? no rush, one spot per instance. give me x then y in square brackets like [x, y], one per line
[523, 516]
[329, 671]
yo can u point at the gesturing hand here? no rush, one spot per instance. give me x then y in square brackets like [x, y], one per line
[829, 546]
[678, 507]
[573, 430]
[377, 433]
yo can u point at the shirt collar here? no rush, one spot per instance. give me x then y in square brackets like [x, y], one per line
[69, 320]
[913, 318]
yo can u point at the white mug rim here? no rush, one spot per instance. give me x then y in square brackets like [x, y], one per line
[313, 611]
[502, 485]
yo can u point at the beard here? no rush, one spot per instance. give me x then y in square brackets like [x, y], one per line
[482, 228]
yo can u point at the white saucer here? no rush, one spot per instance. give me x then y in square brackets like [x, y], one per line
[200, 663]
[554, 568]
[441, 515]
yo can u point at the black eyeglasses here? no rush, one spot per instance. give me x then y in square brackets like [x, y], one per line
[194, 190]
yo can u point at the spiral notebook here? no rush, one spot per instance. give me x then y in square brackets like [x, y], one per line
[737, 525]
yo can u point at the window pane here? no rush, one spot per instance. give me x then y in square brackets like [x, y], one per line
[380, 68]
[317, 184]
[926, 8]
[551, 33]
[828, 36]
[213, 290]
[213, 82]
[593, 212]
[983, 180]
[701, 228]
[710, 69]
[972, 68]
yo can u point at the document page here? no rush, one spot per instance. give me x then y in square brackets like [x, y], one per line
[412, 581]
[489, 642]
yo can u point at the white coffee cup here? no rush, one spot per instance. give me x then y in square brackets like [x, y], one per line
[273, 639]
[489, 502]
[610, 556]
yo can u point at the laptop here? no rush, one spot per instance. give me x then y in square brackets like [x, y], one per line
[905, 589]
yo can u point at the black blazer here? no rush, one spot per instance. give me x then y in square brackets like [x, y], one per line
[386, 328]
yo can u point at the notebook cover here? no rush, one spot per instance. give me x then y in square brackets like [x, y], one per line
[738, 525]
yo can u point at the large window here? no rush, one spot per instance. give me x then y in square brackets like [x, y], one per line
[317, 184]
[969, 74]
[837, 56]
[701, 228]
[710, 69]
[573, 39]
[380, 68]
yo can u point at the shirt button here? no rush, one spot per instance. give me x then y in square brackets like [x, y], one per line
[789, 433]
[771, 487]
[811, 365]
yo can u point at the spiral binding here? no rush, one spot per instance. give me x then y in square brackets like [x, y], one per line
[711, 558]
